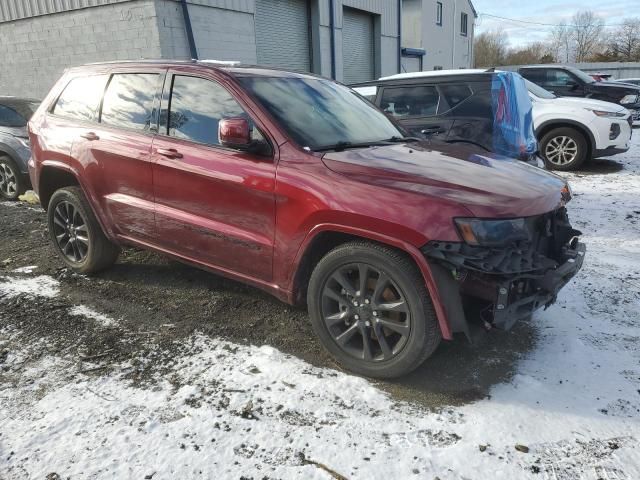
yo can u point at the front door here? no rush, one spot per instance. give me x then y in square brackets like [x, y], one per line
[214, 205]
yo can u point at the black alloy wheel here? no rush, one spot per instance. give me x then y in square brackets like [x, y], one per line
[70, 231]
[366, 312]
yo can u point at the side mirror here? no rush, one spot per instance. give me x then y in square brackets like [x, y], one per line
[235, 133]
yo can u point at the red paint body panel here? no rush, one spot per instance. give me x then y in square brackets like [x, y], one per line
[252, 217]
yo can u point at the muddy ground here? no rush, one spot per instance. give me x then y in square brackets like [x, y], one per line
[160, 301]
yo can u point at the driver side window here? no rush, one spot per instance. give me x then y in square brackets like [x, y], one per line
[559, 78]
[197, 106]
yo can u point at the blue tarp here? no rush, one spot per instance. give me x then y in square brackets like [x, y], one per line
[512, 116]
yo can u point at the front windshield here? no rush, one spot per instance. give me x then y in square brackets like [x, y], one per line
[581, 75]
[319, 113]
[538, 91]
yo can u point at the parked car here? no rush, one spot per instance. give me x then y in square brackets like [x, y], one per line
[489, 109]
[14, 145]
[631, 81]
[297, 185]
[572, 130]
[566, 81]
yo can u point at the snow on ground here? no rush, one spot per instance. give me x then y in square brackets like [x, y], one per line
[220, 410]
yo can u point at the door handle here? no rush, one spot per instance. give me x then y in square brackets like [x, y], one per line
[90, 136]
[169, 152]
[432, 130]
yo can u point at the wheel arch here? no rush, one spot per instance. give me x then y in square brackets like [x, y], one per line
[326, 237]
[549, 125]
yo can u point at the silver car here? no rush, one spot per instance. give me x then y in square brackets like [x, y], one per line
[14, 145]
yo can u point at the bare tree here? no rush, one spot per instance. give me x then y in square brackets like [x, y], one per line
[559, 43]
[533, 53]
[490, 48]
[586, 34]
[624, 44]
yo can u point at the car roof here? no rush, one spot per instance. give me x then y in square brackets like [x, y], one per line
[440, 75]
[231, 67]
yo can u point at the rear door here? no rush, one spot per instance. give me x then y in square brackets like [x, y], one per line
[416, 107]
[116, 151]
[214, 205]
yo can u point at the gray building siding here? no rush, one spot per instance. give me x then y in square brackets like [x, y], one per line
[36, 51]
[40, 38]
[445, 47]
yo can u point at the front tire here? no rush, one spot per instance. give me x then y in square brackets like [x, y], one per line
[12, 182]
[76, 234]
[370, 308]
[564, 149]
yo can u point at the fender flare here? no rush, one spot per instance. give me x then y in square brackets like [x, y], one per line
[91, 197]
[411, 250]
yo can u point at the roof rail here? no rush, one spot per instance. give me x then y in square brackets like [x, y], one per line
[228, 63]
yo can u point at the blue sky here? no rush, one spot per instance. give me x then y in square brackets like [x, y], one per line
[546, 11]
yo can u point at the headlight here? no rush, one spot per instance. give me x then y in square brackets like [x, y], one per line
[604, 113]
[629, 99]
[492, 233]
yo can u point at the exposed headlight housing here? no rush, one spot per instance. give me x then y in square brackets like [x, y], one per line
[492, 233]
[608, 114]
[628, 99]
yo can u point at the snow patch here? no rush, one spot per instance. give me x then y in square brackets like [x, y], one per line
[28, 269]
[83, 311]
[41, 286]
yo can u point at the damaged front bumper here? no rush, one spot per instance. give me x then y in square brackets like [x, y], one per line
[496, 287]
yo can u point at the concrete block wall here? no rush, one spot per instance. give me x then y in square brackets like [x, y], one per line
[219, 33]
[35, 51]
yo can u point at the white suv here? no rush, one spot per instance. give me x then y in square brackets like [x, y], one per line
[571, 130]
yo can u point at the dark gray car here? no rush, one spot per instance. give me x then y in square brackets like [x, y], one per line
[14, 145]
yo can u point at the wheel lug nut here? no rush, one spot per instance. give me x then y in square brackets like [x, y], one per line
[375, 314]
[367, 301]
[367, 323]
[357, 317]
[358, 293]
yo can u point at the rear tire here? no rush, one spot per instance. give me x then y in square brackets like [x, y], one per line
[12, 181]
[371, 310]
[564, 149]
[77, 235]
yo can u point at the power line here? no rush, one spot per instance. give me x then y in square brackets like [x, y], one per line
[545, 24]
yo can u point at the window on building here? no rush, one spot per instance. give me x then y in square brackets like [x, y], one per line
[439, 13]
[438, 67]
[419, 101]
[464, 23]
[81, 98]
[128, 101]
[10, 118]
[197, 105]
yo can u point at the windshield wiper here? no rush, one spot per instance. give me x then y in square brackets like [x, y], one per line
[403, 139]
[340, 146]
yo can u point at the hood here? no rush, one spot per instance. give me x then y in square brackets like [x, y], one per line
[620, 86]
[488, 185]
[578, 102]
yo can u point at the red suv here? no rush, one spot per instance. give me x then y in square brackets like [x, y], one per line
[297, 185]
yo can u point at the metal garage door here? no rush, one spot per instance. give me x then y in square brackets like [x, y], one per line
[282, 34]
[357, 46]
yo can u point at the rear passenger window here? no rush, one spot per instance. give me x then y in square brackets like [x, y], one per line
[128, 102]
[81, 98]
[10, 118]
[418, 101]
[197, 105]
[452, 95]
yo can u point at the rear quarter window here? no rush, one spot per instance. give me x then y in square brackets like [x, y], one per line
[10, 118]
[80, 99]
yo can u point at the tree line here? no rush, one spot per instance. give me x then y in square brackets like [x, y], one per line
[584, 39]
